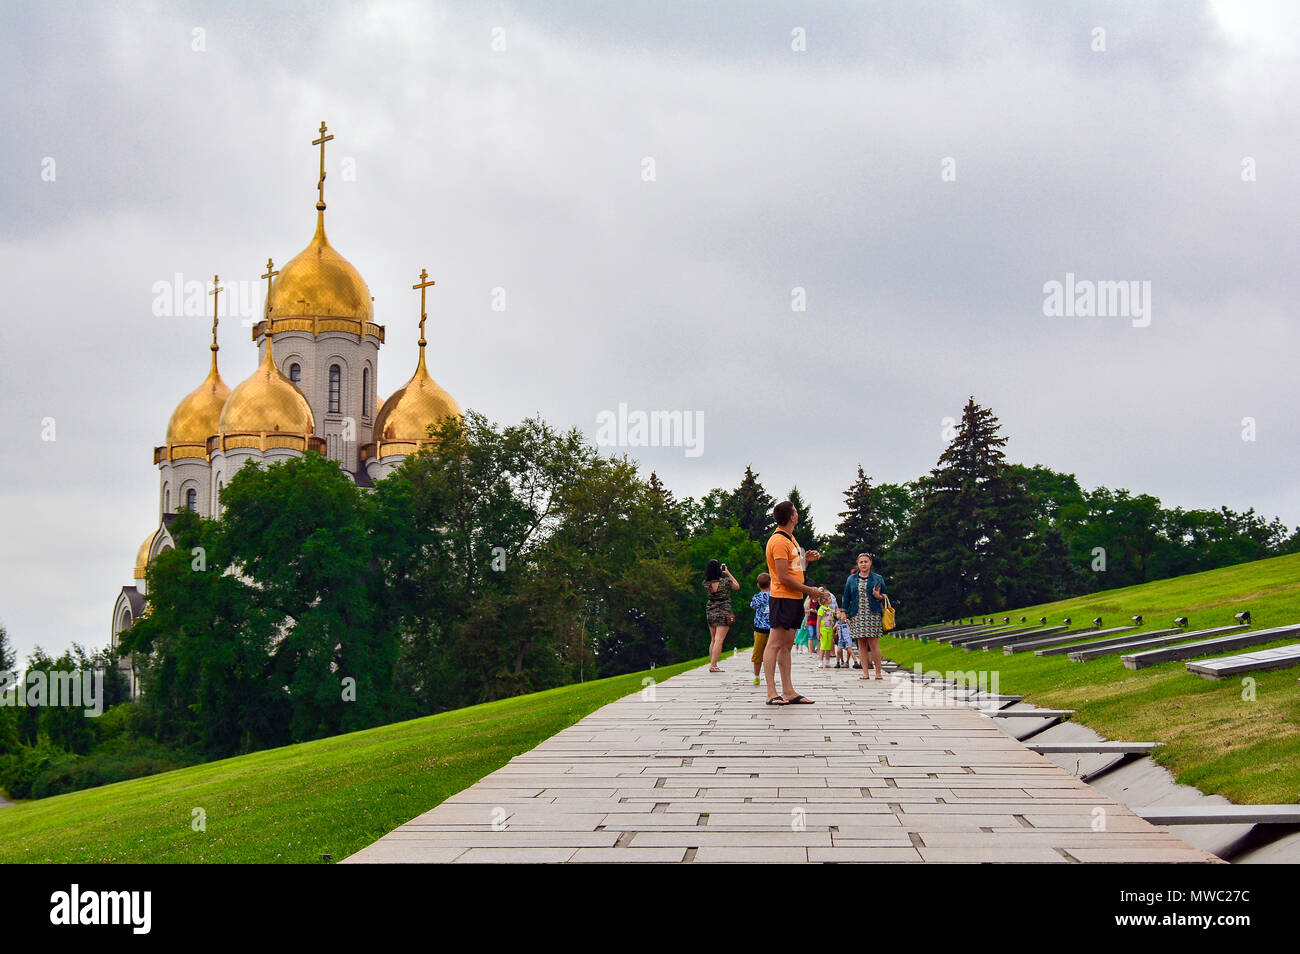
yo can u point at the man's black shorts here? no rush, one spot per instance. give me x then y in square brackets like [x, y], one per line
[785, 612]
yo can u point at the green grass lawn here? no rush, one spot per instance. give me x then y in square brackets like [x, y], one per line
[294, 804]
[1215, 738]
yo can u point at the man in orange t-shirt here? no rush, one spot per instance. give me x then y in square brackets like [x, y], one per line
[786, 562]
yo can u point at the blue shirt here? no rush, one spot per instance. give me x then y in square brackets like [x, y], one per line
[760, 604]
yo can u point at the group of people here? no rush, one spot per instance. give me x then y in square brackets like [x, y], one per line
[847, 631]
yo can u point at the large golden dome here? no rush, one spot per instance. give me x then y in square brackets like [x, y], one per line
[320, 282]
[196, 417]
[409, 411]
[267, 402]
[142, 556]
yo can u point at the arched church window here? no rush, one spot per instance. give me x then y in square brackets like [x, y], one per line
[365, 392]
[167, 501]
[295, 373]
[192, 499]
[336, 385]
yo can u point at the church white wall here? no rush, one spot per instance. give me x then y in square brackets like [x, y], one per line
[196, 474]
[315, 355]
[379, 468]
[122, 617]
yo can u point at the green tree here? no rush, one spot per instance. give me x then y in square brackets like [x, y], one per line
[204, 649]
[745, 559]
[300, 530]
[969, 546]
[29, 716]
[807, 528]
[858, 530]
[749, 507]
[65, 725]
[895, 504]
[679, 517]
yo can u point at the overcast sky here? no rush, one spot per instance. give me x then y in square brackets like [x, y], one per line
[1124, 155]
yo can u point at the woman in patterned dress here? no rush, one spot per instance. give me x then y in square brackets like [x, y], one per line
[717, 612]
[863, 595]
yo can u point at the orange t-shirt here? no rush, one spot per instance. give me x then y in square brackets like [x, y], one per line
[783, 547]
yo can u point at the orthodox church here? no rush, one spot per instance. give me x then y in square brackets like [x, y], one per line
[314, 390]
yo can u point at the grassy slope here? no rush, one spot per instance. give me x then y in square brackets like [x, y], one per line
[293, 804]
[1248, 751]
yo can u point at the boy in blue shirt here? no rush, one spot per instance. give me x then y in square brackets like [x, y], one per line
[762, 622]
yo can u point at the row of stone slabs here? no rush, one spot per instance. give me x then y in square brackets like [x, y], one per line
[1158, 646]
[1243, 833]
[701, 770]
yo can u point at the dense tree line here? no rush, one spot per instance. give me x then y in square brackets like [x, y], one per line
[519, 558]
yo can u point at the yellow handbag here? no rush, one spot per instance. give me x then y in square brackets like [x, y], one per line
[887, 617]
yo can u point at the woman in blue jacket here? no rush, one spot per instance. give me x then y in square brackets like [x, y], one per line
[863, 603]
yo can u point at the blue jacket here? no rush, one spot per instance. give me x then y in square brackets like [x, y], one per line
[850, 602]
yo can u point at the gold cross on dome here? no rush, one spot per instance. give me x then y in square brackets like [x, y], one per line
[271, 272]
[320, 183]
[216, 297]
[424, 284]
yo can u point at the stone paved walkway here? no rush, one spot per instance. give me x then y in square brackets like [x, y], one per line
[702, 771]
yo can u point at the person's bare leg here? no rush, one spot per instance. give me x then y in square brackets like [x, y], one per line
[787, 683]
[775, 639]
[876, 657]
[718, 634]
[864, 658]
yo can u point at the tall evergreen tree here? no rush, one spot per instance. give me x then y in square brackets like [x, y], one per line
[859, 530]
[807, 529]
[969, 546]
[673, 512]
[750, 507]
[7, 654]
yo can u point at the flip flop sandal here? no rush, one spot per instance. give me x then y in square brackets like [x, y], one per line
[799, 701]
[777, 701]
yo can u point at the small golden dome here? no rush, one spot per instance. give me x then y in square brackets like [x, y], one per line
[267, 401]
[197, 416]
[320, 282]
[142, 556]
[409, 411]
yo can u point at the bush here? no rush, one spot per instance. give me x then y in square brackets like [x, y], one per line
[44, 770]
[122, 720]
[21, 770]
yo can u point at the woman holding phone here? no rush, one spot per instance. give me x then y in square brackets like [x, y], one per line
[863, 603]
[717, 612]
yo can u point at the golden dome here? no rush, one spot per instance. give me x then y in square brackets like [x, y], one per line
[320, 282]
[409, 411]
[196, 417]
[142, 556]
[267, 402]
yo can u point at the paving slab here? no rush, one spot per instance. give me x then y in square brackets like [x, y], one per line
[1280, 657]
[706, 773]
